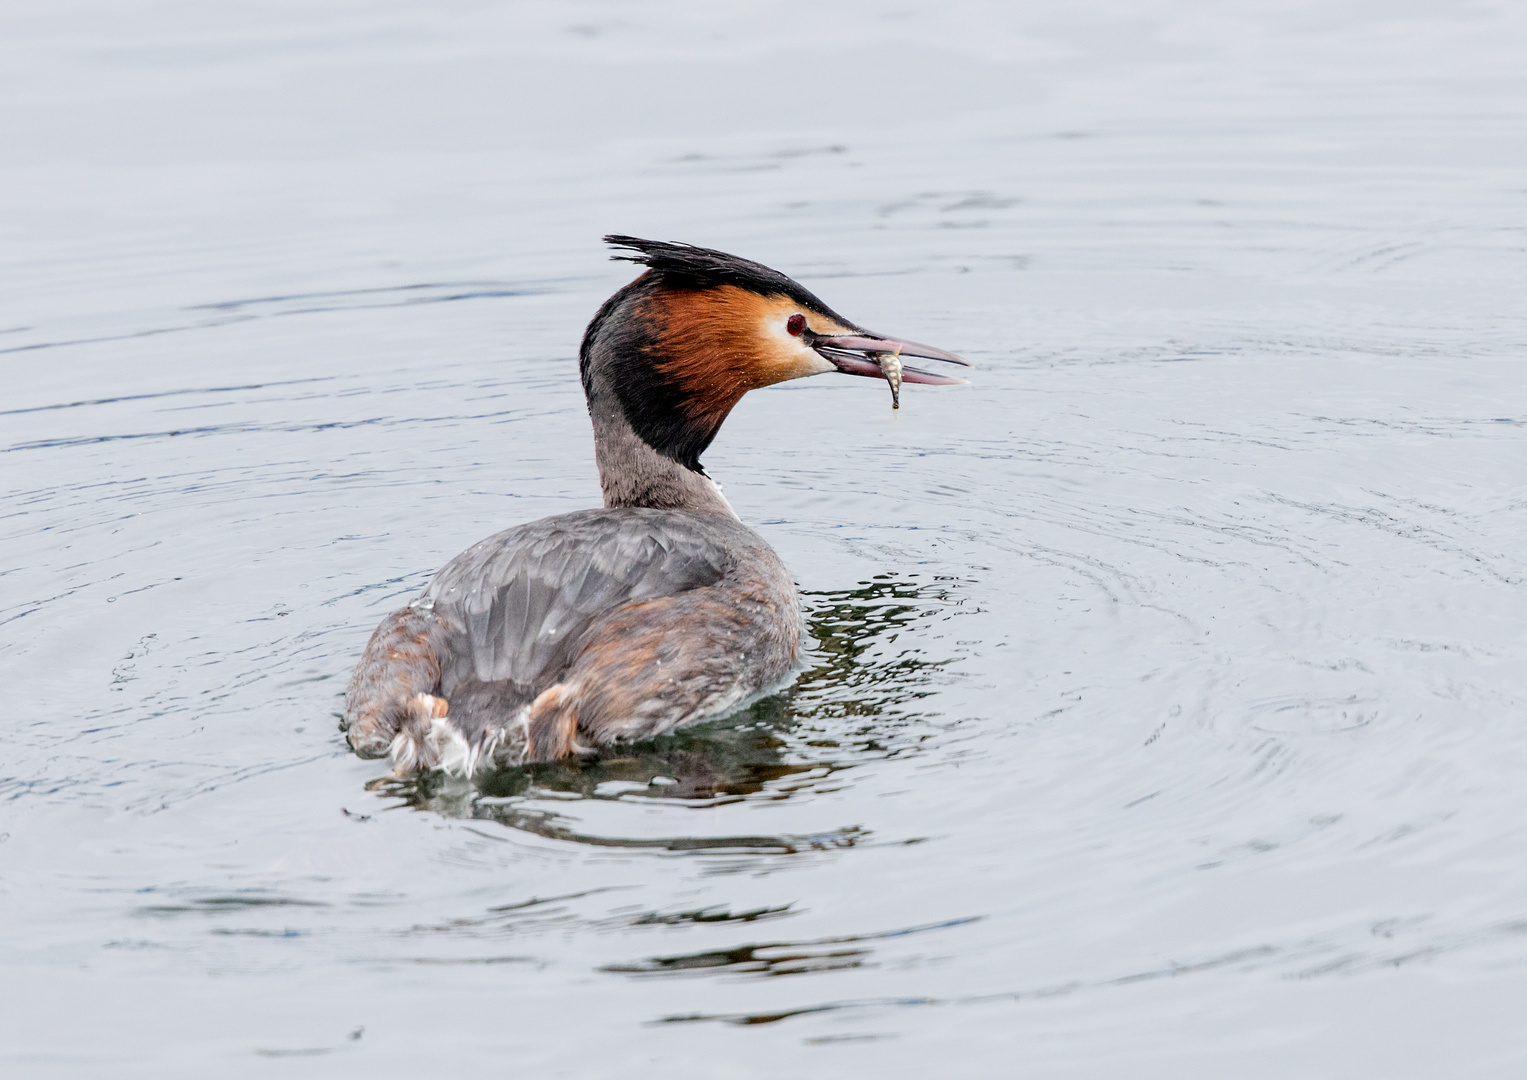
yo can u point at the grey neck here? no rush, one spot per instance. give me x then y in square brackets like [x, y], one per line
[631, 473]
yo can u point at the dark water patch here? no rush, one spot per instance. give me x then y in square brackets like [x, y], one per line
[219, 905]
[777, 958]
[230, 312]
[535, 915]
[390, 296]
[209, 390]
[255, 428]
[706, 916]
[552, 826]
[465, 961]
[762, 960]
[1293, 956]
[312, 1051]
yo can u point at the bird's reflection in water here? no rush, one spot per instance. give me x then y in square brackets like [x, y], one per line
[854, 701]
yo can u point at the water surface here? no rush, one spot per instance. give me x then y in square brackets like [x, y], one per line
[1164, 712]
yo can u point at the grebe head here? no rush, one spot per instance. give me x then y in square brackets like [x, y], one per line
[680, 345]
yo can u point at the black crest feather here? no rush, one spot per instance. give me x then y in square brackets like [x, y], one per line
[688, 266]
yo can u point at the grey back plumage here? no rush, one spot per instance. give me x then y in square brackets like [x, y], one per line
[523, 598]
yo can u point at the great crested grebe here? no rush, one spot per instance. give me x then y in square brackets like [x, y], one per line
[602, 626]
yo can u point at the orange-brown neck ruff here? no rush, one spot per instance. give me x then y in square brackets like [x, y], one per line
[703, 349]
[679, 358]
[710, 345]
[713, 345]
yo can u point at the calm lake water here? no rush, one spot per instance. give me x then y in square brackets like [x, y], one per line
[1166, 711]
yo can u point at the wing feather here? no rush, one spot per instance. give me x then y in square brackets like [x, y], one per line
[525, 596]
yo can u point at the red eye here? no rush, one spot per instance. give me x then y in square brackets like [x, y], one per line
[795, 324]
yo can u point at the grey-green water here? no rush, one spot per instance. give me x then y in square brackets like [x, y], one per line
[1166, 713]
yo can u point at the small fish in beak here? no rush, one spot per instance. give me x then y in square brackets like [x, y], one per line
[890, 367]
[866, 353]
